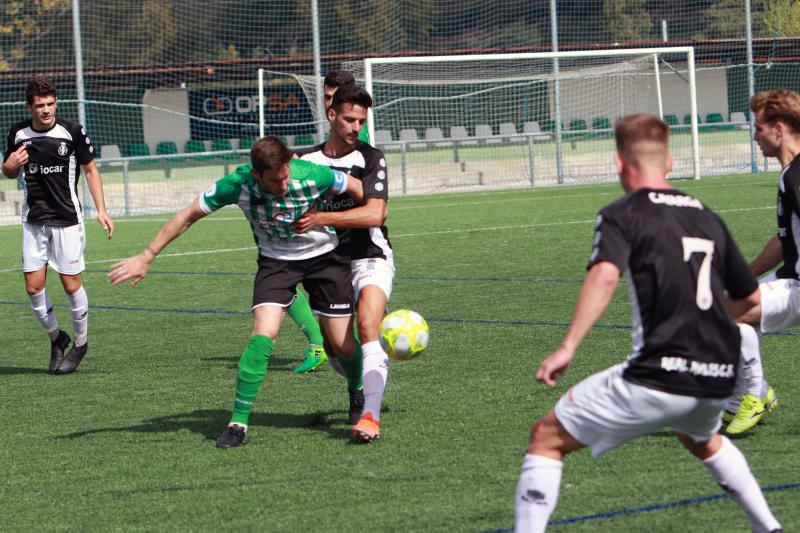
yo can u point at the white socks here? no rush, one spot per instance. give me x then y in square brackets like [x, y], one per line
[43, 309]
[374, 375]
[79, 307]
[750, 378]
[730, 470]
[537, 493]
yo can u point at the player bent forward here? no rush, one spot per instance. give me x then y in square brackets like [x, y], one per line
[274, 191]
[679, 260]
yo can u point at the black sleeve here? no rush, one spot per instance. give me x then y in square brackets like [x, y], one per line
[610, 242]
[84, 150]
[792, 182]
[739, 280]
[375, 178]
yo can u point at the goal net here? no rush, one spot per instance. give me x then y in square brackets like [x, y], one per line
[513, 120]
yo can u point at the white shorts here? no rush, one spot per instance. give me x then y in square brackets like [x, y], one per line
[605, 410]
[780, 303]
[374, 271]
[61, 248]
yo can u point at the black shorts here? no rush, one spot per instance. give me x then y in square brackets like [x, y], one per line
[327, 278]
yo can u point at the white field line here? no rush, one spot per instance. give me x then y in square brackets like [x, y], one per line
[399, 235]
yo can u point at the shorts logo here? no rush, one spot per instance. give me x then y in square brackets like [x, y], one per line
[33, 168]
[379, 187]
[62, 149]
[340, 306]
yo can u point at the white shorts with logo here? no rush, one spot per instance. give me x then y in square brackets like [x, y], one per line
[780, 303]
[60, 247]
[373, 271]
[605, 410]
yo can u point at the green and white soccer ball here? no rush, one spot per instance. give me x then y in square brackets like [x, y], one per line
[404, 334]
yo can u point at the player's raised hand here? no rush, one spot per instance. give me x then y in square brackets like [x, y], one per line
[17, 158]
[106, 222]
[554, 365]
[307, 221]
[133, 268]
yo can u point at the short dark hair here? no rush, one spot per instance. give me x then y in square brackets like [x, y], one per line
[40, 86]
[351, 94]
[268, 153]
[339, 78]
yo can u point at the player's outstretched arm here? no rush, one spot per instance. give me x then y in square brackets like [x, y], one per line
[593, 298]
[95, 183]
[135, 268]
[769, 258]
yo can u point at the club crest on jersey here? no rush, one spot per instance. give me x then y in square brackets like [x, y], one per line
[284, 217]
[33, 168]
[63, 150]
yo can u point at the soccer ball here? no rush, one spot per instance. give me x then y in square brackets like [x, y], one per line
[404, 334]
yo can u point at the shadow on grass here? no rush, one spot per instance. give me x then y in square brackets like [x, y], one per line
[18, 370]
[276, 364]
[211, 423]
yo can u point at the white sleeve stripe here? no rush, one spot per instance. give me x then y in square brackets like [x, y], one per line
[204, 207]
[339, 181]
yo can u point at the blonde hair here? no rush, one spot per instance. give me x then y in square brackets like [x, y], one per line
[642, 138]
[778, 104]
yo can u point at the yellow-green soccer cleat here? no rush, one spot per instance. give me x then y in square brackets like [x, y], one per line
[314, 356]
[751, 409]
[770, 400]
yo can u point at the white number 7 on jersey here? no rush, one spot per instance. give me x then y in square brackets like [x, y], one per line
[691, 245]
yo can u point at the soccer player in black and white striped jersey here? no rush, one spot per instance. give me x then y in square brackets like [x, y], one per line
[777, 121]
[679, 261]
[47, 153]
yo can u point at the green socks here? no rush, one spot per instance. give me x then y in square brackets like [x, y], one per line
[252, 369]
[300, 312]
[353, 369]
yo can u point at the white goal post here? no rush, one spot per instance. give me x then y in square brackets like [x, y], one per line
[437, 69]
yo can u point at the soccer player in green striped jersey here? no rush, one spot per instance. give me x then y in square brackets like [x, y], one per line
[273, 192]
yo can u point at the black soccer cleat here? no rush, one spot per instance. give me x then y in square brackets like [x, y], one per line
[233, 437]
[356, 406]
[57, 348]
[71, 361]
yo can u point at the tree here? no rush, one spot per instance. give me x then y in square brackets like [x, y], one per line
[627, 20]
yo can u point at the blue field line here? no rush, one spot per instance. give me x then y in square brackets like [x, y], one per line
[435, 320]
[651, 508]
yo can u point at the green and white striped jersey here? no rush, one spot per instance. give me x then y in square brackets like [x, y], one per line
[271, 217]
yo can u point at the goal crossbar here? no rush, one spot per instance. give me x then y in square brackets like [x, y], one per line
[629, 52]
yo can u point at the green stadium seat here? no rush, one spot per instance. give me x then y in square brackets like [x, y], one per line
[304, 139]
[717, 120]
[601, 123]
[672, 120]
[223, 145]
[687, 119]
[140, 150]
[577, 128]
[246, 142]
[166, 148]
[194, 146]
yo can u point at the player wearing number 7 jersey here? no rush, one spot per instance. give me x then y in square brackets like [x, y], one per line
[679, 260]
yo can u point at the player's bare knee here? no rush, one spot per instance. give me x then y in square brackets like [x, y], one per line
[702, 450]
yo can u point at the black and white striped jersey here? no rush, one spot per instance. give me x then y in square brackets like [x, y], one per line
[367, 164]
[679, 261]
[789, 219]
[52, 171]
